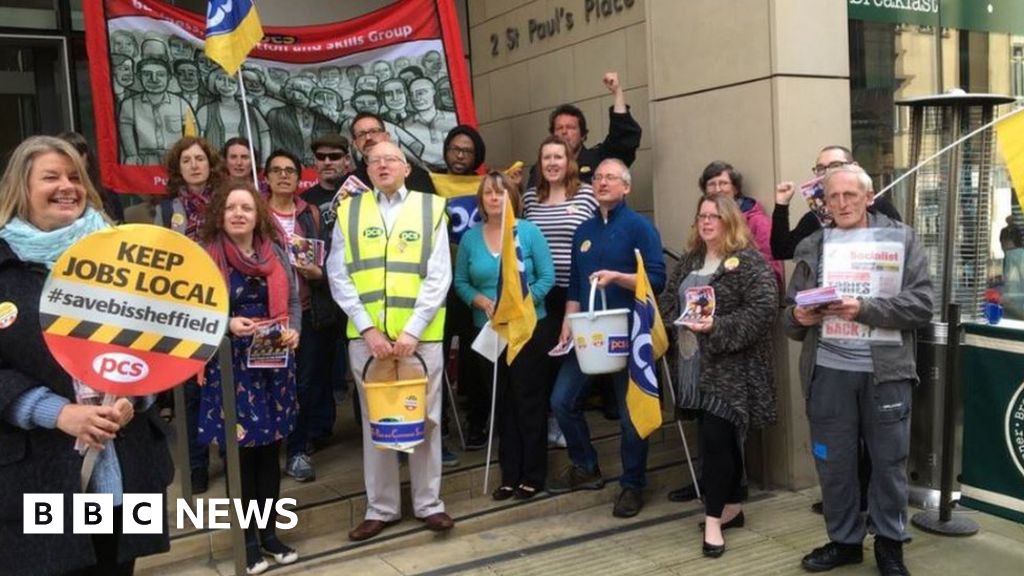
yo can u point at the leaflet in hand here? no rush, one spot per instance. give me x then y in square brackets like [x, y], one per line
[307, 251]
[352, 186]
[813, 192]
[266, 350]
[817, 297]
[700, 305]
[561, 350]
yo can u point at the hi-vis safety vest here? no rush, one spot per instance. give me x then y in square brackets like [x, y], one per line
[387, 269]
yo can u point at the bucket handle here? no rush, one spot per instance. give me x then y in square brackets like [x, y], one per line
[593, 292]
[371, 359]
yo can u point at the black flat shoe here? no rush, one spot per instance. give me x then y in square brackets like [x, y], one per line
[737, 522]
[713, 551]
[503, 493]
[525, 492]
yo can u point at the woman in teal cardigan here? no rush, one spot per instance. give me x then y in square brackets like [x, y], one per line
[522, 400]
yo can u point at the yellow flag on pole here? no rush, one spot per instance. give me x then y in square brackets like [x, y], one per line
[233, 29]
[1010, 134]
[514, 315]
[648, 342]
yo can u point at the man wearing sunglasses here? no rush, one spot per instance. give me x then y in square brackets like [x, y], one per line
[332, 162]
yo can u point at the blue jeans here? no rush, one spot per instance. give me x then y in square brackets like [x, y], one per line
[570, 387]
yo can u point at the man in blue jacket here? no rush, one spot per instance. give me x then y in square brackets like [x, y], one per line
[603, 253]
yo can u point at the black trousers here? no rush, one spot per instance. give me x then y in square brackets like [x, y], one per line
[260, 468]
[521, 412]
[722, 477]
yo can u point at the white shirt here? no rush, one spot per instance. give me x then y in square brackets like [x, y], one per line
[433, 289]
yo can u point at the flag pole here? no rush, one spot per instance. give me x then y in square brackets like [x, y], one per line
[949, 147]
[494, 374]
[248, 133]
[490, 421]
[679, 424]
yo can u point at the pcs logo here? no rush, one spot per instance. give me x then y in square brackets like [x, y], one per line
[618, 345]
[410, 236]
[121, 368]
[373, 232]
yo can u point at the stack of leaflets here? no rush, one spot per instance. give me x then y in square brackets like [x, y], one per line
[700, 305]
[813, 192]
[817, 297]
[307, 251]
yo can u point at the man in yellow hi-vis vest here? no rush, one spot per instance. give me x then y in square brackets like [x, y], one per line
[389, 270]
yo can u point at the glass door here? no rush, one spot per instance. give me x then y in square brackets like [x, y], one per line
[35, 94]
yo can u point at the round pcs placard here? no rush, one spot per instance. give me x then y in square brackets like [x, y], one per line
[134, 310]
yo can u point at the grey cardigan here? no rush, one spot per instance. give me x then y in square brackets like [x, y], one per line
[907, 311]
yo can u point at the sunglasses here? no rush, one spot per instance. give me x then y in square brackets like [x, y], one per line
[332, 156]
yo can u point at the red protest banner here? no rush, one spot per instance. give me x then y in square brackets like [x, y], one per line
[150, 78]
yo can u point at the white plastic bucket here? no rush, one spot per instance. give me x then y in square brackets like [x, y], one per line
[601, 338]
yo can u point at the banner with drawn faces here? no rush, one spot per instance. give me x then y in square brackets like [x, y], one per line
[152, 83]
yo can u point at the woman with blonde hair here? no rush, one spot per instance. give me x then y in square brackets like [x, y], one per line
[47, 203]
[725, 366]
[522, 398]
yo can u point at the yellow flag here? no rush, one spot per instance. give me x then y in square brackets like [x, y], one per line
[233, 29]
[1010, 134]
[648, 342]
[514, 316]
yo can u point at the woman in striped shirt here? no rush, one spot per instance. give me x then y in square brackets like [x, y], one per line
[558, 205]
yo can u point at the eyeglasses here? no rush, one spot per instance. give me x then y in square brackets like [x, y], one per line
[606, 177]
[459, 151]
[370, 132]
[709, 217]
[719, 185]
[332, 156]
[821, 169]
[374, 160]
[279, 171]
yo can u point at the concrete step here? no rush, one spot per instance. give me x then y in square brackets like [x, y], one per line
[325, 516]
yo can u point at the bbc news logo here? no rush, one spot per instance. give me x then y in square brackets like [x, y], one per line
[144, 513]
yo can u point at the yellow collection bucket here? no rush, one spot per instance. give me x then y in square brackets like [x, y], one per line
[397, 407]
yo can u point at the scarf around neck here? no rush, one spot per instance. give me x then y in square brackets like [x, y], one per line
[30, 244]
[264, 263]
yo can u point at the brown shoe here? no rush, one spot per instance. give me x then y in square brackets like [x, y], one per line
[369, 528]
[438, 522]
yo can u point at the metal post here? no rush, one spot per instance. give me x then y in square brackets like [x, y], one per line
[944, 522]
[181, 444]
[234, 479]
[952, 208]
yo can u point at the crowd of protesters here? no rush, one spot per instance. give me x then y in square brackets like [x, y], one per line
[393, 285]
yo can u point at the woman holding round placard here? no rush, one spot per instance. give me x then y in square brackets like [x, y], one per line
[239, 233]
[47, 203]
[523, 398]
[724, 348]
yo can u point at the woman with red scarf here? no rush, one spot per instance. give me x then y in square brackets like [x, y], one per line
[194, 170]
[239, 234]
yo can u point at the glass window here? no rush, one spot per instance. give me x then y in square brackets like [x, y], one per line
[891, 62]
[36, 14]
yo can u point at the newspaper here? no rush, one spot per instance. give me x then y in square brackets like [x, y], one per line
[862, 263]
